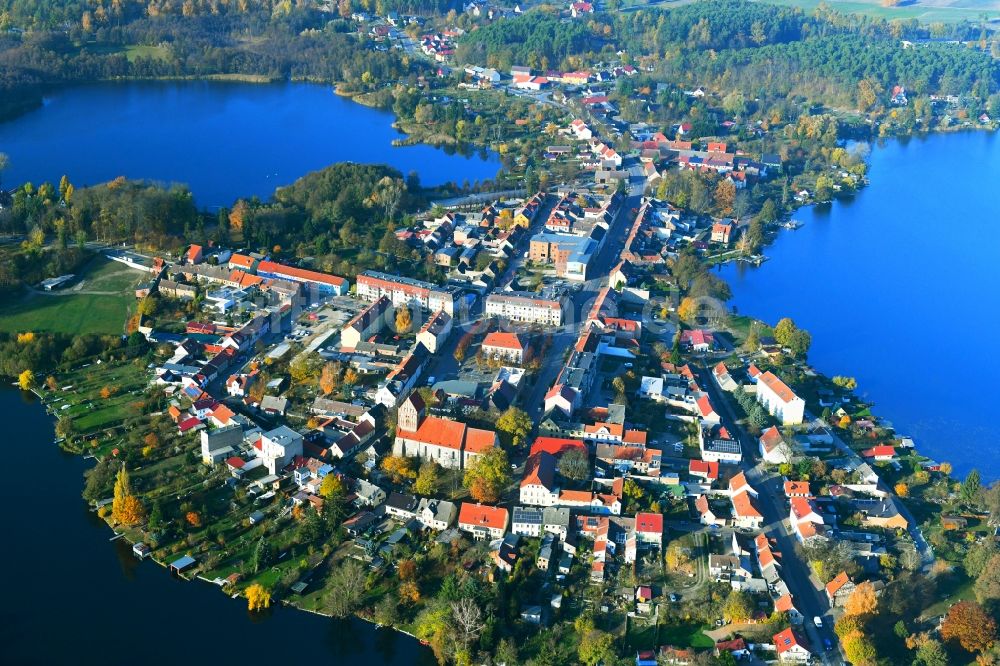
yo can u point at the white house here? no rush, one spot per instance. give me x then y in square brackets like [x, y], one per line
[779, 400]
[279, 447]
[436, 514]
[791, 647]
[538, 487]
[773, 447]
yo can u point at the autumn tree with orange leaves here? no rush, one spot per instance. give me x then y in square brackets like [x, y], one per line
[970, 625]
[862, 600]
[126, 507]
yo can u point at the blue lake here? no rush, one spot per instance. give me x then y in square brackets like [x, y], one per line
[898, 287]
[74, 598]
[224, 140]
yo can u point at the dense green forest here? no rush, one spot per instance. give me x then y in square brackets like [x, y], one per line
[759, 50]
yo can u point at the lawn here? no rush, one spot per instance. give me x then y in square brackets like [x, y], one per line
[967, 10]
[956, 587]
[78, 314]
[136, 51]
[677, 635]
[72, 311]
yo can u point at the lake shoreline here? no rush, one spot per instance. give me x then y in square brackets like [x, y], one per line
[258, 136]
[847, 232]
[196, 578]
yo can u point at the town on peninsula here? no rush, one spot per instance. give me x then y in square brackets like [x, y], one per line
[520, 418]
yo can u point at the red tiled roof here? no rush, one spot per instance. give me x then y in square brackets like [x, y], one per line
[189, 423]
[881, 451]
[438, 432]
[705, 406]
[788, 639]
[801, 507]
[492, 517]
[743, 505]
[771, 438]
[557, 446]
[709, 469]
[300, 273]
[241, 260]
[222, 414]
[838, 582]
[778, 387]
[479, 441]
[502, 340]
[635, 437]
[651, 523]
[738, 481]
[796, 488]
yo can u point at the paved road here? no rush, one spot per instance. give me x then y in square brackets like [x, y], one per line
[810, 597]
[582, 299]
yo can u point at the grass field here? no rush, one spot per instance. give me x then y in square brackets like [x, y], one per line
[139, 51]
[75, 311]
[647, 637]
[944, 11]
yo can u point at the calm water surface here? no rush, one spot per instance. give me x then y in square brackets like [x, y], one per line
[899, 288]
[71, 597]
[225, 140]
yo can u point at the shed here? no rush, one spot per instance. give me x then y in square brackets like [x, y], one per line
[182, 564]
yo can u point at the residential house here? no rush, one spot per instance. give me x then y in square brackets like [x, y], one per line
[556, 520]
[779, 400]
[791, 647]
[538, 486]
[882, 453]
[279, 447]
[433, 334]
[706, 515]
[526, 307]
[806, 522]
[368, 494]
[704, 469]
[743, 496]
[698, 340]
[435, 514]
[773, 448]
[883, 512]
[503, 346]
[401, 505]
[527, 521]
[839, 589]
[366, 323]
[722, 231]
[483, 522]
[649, 529]
[372, 285]
[218, 444]
[717, 445]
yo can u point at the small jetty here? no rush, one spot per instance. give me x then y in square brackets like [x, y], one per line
[792, 224]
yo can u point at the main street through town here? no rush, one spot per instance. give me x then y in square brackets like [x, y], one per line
[807, 590]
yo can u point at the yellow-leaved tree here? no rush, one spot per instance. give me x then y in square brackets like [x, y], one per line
[26, 380]
[258, 597]
[126, 507]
